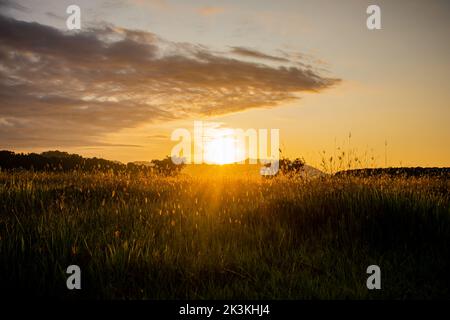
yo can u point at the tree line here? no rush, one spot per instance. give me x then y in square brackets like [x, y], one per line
[63, 161]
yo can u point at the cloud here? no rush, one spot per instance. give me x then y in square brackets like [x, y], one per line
[55, 16]
[65, 88]
[158, 4]
[245, 52]
[159, 136]
[9, 4]
[209, 11]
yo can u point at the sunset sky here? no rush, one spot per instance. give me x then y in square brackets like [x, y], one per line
[138, 69]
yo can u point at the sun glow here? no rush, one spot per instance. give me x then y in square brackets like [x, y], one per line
[220, 150]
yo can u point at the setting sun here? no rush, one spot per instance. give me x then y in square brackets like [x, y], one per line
[221, 150]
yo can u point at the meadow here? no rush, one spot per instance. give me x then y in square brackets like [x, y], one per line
[143, 236]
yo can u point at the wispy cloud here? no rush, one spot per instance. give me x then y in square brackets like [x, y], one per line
[209, 11]
[246, 52]
[73, 88]
[55, 16]
[160, 4]
[9, 4]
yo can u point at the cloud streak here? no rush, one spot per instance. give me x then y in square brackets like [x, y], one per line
[73, 88]
[210, 11]
[9, 4]
[246, 52]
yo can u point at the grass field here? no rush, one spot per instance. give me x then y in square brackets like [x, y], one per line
[221, 237]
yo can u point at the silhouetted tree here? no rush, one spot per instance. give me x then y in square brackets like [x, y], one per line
[56, 161]
[166, 167]
[291, 167]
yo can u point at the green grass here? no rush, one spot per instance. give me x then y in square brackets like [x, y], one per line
[147, 237]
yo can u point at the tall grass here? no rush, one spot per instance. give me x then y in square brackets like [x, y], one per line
[149, 237]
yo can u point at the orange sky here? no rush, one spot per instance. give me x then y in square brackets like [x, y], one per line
[192, 60]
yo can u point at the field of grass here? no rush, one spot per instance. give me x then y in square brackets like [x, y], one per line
[221, 237]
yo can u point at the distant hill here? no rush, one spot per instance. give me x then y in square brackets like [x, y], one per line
[405, 172]
[312, 172]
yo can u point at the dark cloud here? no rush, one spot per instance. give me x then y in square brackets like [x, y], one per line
[246, 52]
[9, 4]
[75, 87]
[55, 16]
